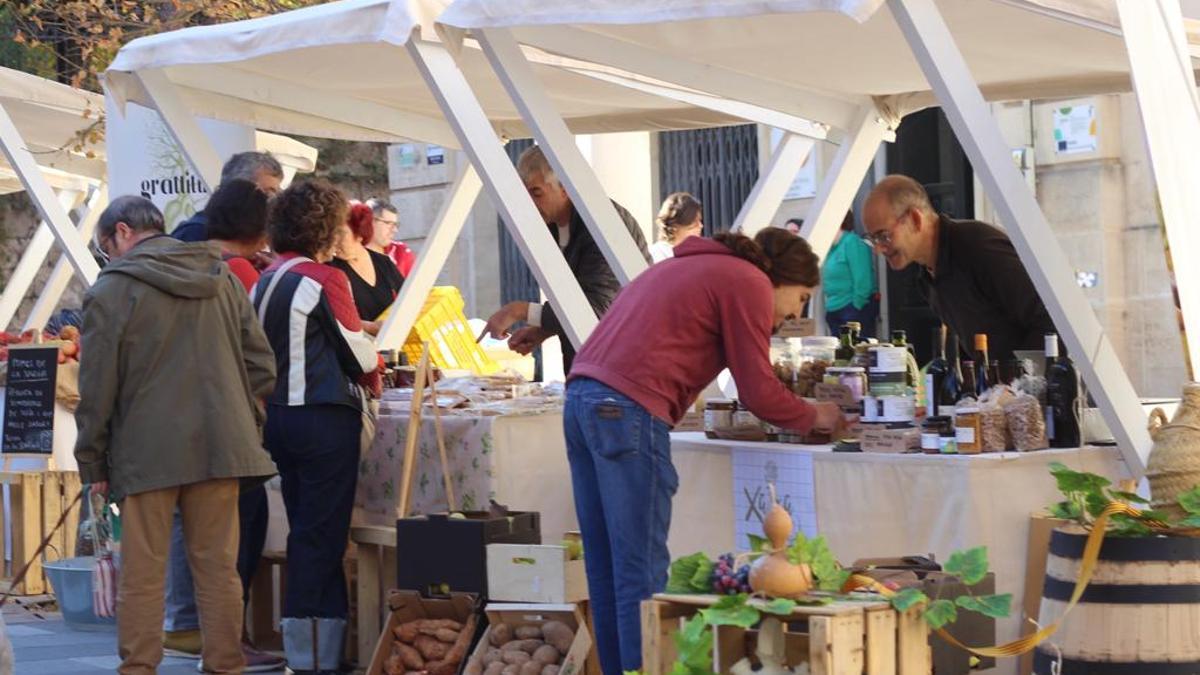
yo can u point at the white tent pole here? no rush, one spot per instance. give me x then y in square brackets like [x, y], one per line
[572, 170]
[31, 261]
[850, 165]
[22, 161]
[61, 276]
[1044, 260]
[1166, 94]
[183, 127]
[772, 185]
[479, 141]
[455, 211]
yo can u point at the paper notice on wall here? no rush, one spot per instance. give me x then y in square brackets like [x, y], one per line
[1075, 129]
[804, 185]
[792, 475]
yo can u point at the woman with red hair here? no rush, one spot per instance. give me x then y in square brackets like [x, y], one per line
[374, 280]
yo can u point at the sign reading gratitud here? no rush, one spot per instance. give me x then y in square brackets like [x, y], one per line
[29, 399]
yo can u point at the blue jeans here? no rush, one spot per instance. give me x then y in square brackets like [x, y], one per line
[623, 480]
[868, 316]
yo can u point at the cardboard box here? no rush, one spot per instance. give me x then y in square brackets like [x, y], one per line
[408, 606]
[436, 553]
[1040, 529]
[529, 573]
[534, 614]
[878, 438]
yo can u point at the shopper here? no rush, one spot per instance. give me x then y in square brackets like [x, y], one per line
[236, 216]
[583, 255]
[259, 167]
[969, 271]
[681, 216]
[374, 279]
[327, 364]
[383, 240]
[169, 418]
[794, 225]
[848, 281]
[714, 305]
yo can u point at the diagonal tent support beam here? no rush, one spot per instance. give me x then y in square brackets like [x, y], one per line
[772, 186]
[479, 141]
[973, 124]
[31, 261]
[182, 126]
[435, 252]
[53, 213]
[56, 285]
[854, 158]
[1166, 94]
[572, 170]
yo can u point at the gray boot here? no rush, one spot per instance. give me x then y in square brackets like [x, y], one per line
[313, 643]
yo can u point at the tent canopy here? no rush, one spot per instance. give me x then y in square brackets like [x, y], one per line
[836, 50]
[336, 70]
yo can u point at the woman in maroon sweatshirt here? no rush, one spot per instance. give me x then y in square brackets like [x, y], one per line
[666, 337]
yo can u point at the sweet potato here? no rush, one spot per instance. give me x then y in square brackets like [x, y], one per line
[500, 634]
[432, 626]
[527, 646]
[550, 670]
[531, 668]
[546, 655]
[529, 633]
[430, 648]
[446, 635]
[515, 657]
[406, 632]
[455, 654]
[393, 665]
[410, 657]
[558, 634]
[495, 667]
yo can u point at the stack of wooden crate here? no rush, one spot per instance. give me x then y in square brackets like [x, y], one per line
[36, 501]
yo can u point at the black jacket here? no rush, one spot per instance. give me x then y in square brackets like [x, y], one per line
[980, 286]
[192, 229]
[595, 277]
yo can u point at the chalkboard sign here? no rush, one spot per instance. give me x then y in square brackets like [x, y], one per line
[29, 399]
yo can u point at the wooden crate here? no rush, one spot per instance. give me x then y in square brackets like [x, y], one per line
[842, 638]
[36, 501]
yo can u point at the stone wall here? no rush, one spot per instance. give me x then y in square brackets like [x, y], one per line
[18, 220]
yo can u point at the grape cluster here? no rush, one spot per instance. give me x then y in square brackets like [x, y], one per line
[726, 580]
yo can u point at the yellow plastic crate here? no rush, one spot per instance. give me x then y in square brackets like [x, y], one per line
[444, 326]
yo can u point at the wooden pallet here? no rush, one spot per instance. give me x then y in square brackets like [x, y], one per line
[842, 638]
[36, 501]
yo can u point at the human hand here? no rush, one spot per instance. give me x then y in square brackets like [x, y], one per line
[372, 327]
[499, 324]
[829, 419]
[262, 260]
[99, 488]
[525, 340]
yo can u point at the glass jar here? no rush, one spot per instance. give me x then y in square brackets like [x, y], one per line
[932, 431]
[718, 414]
[968, 431]
[818, 348]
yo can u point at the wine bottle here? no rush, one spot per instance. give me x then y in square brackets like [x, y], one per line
[994, 373]
[982, 381]
[845, 348]
[935, 371]
[1062, 398]
[856, 330]
[952, 383]
[968, 380]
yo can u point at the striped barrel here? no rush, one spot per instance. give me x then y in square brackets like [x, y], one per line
[1140, 615]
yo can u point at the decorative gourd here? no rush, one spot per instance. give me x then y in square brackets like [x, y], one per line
[773, 574]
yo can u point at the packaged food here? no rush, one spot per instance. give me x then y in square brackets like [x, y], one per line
[967, 432]
[1026, 423]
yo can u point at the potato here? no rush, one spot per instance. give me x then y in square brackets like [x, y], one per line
[495, 667]
[409, 656]
[529, 633]
[546, 655]
[492, 655]
[511, 670]
[474, 666]
[500, 634]
[558, 634]
[515, 657]
[527, 646]
[430, 648]
[550, 670]
[446, 635]
[531, 668]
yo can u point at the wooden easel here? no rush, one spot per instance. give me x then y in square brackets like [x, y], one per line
[424, 374]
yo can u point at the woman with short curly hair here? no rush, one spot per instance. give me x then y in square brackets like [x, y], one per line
[327, 366]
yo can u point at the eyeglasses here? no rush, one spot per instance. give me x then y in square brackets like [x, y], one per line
[884, 237]
[101, 251]
[392, 223]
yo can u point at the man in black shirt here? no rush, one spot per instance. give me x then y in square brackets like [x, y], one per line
[970, 273]
[584, 258]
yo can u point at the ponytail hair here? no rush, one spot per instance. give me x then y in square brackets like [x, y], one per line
[785, 258]
[679, 210]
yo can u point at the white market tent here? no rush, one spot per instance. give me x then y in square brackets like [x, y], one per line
[859, 66]
[375, 70]
[48, 118]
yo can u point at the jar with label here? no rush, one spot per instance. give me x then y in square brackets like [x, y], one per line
[931, 433]
[718, 414]
[947, 442]
[968, 431]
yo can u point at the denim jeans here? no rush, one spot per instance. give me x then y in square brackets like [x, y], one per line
[623, 480]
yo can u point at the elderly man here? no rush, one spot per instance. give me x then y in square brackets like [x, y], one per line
[970, 272]
[169, 418]
[258, 167]
[583, 255]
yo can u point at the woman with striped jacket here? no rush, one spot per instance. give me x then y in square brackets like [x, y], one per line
[327, 369]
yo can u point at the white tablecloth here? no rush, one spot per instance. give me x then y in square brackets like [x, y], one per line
[878, 505]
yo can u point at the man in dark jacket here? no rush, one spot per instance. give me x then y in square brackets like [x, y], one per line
[584, 258]
[258, 167]
[970, 272]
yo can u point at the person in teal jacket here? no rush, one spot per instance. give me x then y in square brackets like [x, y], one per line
[848, 280]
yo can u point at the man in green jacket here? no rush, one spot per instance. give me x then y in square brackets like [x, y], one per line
[169, 417]
[848, 281]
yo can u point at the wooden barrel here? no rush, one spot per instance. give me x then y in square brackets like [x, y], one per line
[1140, 615]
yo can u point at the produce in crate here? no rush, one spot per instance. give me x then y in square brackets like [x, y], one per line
[432, 646]
[525, 650]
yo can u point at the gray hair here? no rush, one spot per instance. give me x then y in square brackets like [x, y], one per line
[248, 165]
[139, 213]
[904, 193]
[380, 205]
[533, 162]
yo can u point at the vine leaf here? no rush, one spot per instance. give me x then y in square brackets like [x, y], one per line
[695, 644]
[1190, 501]
[940, 613]
[732, 610]
[908, 598]
[995, 606]
[684, 570]
[1132, 497]
[780, 606]
[970, 565]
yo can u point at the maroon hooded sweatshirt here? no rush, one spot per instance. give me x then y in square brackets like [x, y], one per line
[678, 324]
